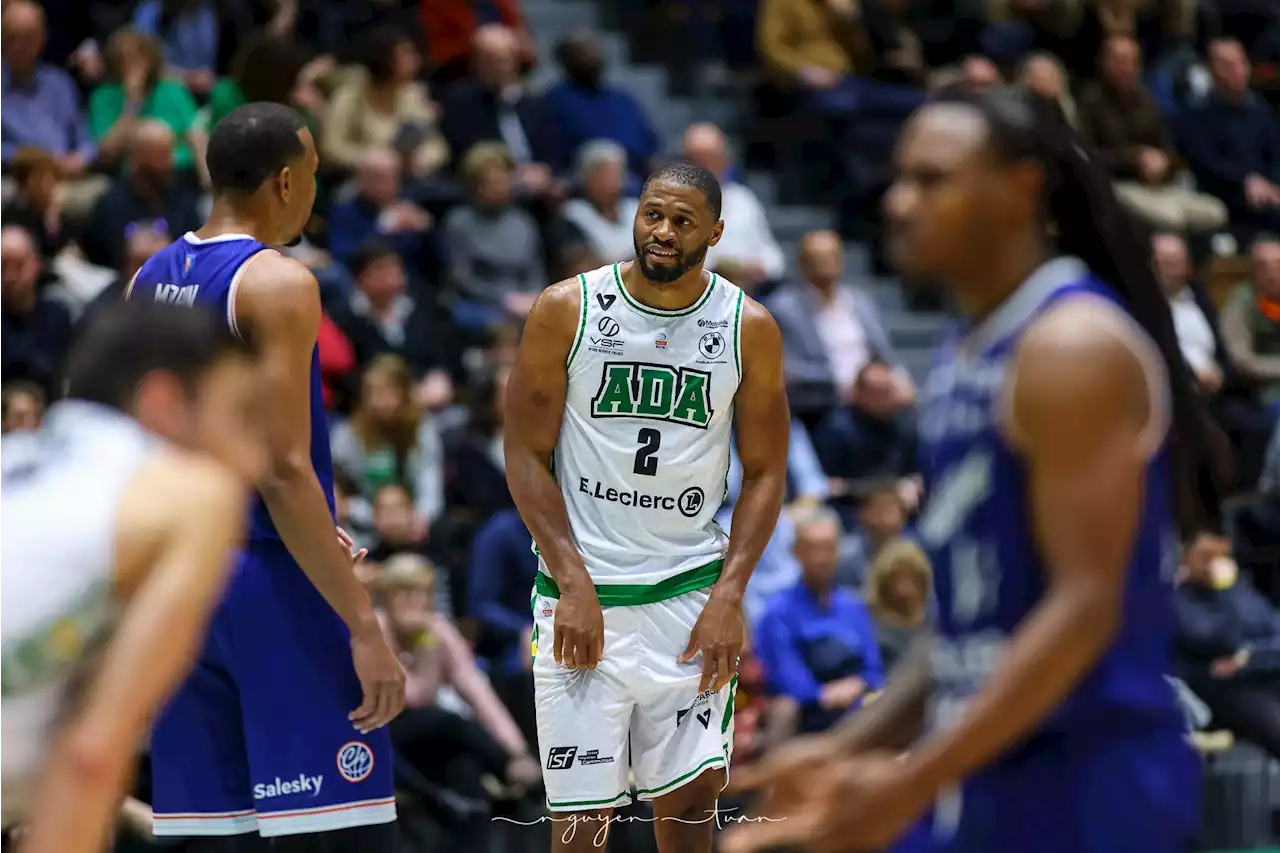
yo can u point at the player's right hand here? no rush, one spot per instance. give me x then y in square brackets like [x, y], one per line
[579, 635]
[381, 678]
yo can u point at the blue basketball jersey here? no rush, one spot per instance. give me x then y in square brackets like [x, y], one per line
[977, 528]
[191, 271]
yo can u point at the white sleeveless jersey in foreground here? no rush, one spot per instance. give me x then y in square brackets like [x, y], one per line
[644, 445]
[58, 511]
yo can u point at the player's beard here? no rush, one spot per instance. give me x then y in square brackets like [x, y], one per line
[666, 275]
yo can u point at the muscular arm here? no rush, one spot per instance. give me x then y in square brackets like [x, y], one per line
[180, 521]
[1080, 404]
[762, 424]
[278, 305]
[535, 405]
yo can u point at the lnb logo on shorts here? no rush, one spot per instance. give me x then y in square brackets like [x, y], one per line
[561, 757]
[355, 761]
[304, 784]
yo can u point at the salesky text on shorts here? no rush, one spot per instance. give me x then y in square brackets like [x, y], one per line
[282, 788]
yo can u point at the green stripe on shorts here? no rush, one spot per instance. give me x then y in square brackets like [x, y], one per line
[633, 594]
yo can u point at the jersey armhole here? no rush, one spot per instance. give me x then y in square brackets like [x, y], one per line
[234, 288]
[1124, 328]
[737, 335]
[582, 323]
[128, 290]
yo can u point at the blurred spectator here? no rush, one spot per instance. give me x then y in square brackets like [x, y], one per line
[37, 327]
[830, 330]
[873, 435]
[387, 108]
[604, 215]
[139, 245]
[445, 747]
[495, 252]
[811, 45]
[748, 254]
[136, 90]
[881, 519]
[586, 107]
[975, 75]
[23, 407]
[1232, 141]
[387, 441]
[898, 589]
[1043, 74]
[1251, 323]
[42, 106]
[379, 210]
[267, 67]
[35, 204]
[1120, 117]
[476, 486]
[897, 55]
[494, 105]
[147, 195]
[816, 640]
[452, 26]
[1196, 337]
[1058, 18]
[401, 529]
[502, 566]
[379, 317]
[1228, 643]
[188, 30]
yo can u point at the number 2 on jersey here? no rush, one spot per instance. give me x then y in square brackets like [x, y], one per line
[647, 456]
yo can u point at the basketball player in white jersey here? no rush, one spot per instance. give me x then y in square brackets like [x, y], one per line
[629, 385]
[119, 519]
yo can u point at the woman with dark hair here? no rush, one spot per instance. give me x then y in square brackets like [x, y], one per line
[272, 68]
[387, 107]
[1063, 446]
[136, 89]
[475, 485]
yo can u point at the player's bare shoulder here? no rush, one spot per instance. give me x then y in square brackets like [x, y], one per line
[553, 320]
[761, 340]
[173, 492]
[279, 289]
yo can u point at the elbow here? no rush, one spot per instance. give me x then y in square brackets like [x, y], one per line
[286, 471]
[95, 760]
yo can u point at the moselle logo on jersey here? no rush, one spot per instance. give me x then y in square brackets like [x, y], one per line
[304, 784]
[713, 324]
[355, 761]
[660, 392]
[688, 503]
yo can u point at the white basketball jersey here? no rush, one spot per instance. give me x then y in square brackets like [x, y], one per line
[58, 511]
[643, 454]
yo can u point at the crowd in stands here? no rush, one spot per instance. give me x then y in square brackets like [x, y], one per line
[451, 192]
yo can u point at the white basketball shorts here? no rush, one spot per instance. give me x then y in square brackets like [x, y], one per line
[638, 712]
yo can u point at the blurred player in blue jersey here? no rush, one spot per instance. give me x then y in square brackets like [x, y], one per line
[280, 729]
[1062, 446]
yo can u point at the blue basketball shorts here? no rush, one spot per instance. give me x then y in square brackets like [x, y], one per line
[1116, 794]
[257, 739]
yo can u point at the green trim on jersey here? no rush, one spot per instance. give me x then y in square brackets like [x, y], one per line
[737, 336]
[634, 594]
[582, 323]
[729, 706]
[659, 312]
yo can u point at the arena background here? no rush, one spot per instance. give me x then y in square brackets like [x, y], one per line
[474, 151]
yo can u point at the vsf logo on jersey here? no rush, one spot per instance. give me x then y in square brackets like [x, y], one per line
[606, 341]
[659, 392]
[183, 296]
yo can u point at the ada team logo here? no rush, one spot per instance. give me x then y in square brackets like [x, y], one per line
[355, 761]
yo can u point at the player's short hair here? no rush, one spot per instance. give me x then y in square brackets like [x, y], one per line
[250, 144]
[682, 173]
[129, 340]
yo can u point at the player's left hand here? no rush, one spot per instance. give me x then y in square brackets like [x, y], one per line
[350, 544]
[864, 803]
[718, 634]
